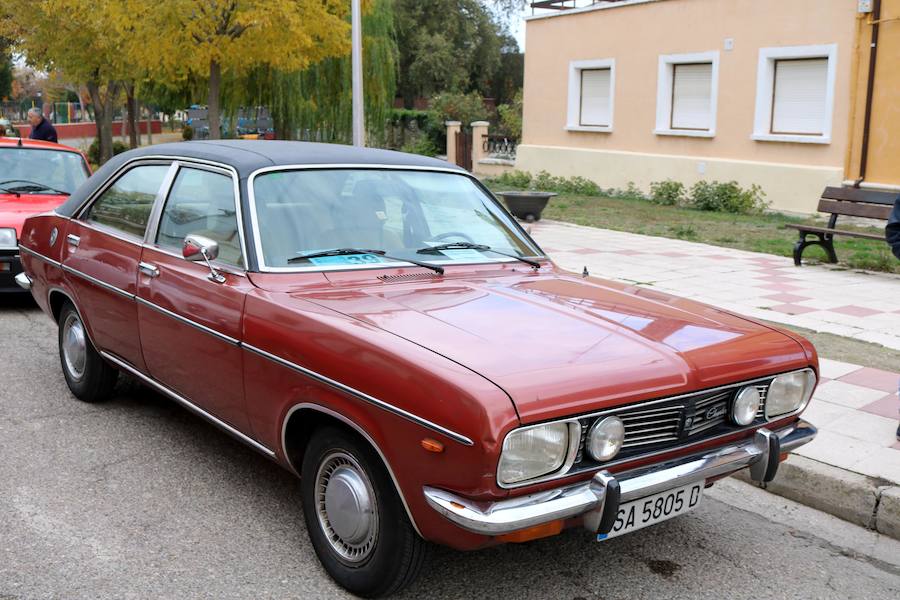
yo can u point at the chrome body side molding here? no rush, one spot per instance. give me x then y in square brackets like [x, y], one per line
[189, 322]
[361, 395]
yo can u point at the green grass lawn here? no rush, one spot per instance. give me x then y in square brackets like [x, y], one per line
[757, 233]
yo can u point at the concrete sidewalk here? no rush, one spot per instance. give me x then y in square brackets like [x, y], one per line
[852, 468]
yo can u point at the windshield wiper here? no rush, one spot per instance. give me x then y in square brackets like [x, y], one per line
[32, 186]
[349, 251]
[479, 247]
[6, 191]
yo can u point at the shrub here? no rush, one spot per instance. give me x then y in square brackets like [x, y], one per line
[727, 197]
[668, 192]
[513, 179]
[187, 133]
[511, 117]
[93, 153]
[631, 192]
[423, 145]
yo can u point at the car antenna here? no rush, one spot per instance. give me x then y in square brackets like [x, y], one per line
[585, 273]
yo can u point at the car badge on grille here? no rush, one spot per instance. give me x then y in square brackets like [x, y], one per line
[714, 412]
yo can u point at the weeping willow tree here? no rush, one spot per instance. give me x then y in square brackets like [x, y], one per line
[315, 103]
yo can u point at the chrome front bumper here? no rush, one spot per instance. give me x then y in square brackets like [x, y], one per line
[598, 499]
[23, 280]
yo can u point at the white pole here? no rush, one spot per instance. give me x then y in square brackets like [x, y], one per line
[359, 132]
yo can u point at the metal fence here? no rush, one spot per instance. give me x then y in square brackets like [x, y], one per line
[500, 146]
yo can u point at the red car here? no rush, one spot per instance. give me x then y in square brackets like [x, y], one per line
[35, 177]
[378, 324]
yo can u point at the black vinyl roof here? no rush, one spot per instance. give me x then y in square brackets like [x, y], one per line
[247, 156]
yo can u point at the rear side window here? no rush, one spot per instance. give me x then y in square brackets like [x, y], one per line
[202, 203]
[125, 206]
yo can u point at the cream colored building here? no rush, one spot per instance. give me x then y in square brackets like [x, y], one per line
[757, 91]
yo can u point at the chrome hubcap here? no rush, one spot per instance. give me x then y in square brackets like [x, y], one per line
[74, 346]
[346, 507]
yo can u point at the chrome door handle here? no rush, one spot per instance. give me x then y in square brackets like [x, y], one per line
[73, 240]
[148, 269]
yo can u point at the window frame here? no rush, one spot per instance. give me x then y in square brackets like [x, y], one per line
[665, 92]
[82, 213]
[160, 205]
[573, 116]
[765, 92]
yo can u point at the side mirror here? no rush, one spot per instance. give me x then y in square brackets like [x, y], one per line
[197, 248]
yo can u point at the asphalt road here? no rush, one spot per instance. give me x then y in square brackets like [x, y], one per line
[136, 498]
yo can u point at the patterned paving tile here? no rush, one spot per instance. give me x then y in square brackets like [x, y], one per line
[889, 407]
[856, 311]
[874, 378]
[792, 309]
[790, 298]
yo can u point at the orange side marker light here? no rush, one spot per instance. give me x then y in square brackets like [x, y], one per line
[432, 445]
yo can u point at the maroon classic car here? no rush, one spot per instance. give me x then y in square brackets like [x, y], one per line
[378, 324]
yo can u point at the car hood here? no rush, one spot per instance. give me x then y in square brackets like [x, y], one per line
[14, 210]
[559, 344]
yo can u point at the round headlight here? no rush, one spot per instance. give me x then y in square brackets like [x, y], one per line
[745, 406]
[605, 438]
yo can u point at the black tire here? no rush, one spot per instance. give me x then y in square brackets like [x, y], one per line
[397, 552]
[96, 379]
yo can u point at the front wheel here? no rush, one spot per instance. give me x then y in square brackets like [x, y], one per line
[354, 517]
[88, 376]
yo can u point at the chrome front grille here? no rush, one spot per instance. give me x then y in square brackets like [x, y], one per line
[651, 426]
[763, 390]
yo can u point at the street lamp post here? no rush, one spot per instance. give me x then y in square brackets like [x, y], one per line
[359, 131]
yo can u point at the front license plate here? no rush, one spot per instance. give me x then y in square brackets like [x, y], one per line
[653, 509]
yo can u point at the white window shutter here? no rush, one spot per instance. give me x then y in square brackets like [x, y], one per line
[798, 101]
[595, 97]
[691, 96]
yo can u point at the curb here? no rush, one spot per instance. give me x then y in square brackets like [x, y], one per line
[867, 501]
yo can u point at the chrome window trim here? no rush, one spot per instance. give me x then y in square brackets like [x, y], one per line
[160, 203]
[361, 395]
[358, 429]
[257, 239]
[613, 463]
[188, 404]
[122, 236]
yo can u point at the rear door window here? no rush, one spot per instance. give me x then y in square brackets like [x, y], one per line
[125, 206]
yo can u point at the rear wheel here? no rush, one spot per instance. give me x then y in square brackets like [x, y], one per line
[354, 517]
[88, 376]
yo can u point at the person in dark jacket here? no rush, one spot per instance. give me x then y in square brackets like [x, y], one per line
[892, 231]
[892, 235]
[41, 129]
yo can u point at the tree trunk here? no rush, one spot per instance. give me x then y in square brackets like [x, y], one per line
[149, 126]
[103, 109]
[215, 77]
[131, 116]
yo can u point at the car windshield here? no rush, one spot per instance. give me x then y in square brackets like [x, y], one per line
[400, 213]
[34, 171]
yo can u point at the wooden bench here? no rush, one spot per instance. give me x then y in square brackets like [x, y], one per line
[843, 201]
